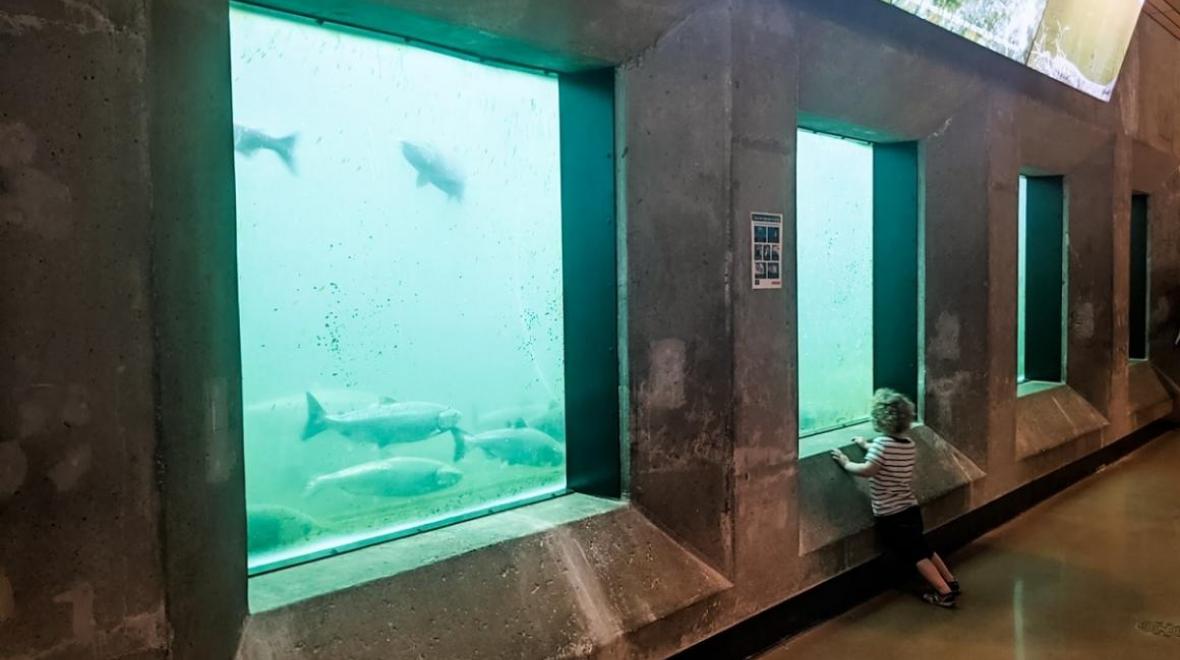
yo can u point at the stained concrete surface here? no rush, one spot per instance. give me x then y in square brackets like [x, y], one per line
[1052, 417]
[119, 341]
[1090, 573]
[835, 505]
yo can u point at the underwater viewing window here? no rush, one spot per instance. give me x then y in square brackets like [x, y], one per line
[427, 285]
[1137, 308]
[1041, 280]
[857, 253]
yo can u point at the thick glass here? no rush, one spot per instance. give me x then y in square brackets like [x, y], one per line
[834, 239]
[399, 256]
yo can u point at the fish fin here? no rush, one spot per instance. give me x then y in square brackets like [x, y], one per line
[284, 148]
[317, 419]
[387, 400]
[422, 180]
[520, 423]
[312, 487]
[460, 443]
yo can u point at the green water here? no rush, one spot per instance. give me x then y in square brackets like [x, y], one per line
[371, 272]
[834, 239]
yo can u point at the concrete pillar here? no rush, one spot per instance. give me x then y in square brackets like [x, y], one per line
[677, 187]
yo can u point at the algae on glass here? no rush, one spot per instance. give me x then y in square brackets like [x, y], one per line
[399, 256]
[834, 239]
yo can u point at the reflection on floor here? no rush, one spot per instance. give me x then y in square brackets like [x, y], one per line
[1091, 573]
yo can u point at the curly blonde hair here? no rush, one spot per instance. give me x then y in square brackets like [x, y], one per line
[893, 412]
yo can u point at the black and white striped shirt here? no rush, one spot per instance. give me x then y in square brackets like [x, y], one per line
[891, 488]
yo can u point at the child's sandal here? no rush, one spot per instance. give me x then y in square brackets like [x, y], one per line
[946, 601]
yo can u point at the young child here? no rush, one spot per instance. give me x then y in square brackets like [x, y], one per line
[889, 467]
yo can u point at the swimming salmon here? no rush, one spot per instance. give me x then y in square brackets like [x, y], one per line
[385, 423]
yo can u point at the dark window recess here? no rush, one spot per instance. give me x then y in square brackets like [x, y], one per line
[589, 245]
[1045, 277]
[896, 251]
[1138, 307]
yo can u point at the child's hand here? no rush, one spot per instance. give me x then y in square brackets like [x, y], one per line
[862, 442]
[839, 457]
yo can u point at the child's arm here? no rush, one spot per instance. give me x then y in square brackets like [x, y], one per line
[866, 469]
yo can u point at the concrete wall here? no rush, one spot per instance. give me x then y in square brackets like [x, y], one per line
[81, 570]
[120, 456]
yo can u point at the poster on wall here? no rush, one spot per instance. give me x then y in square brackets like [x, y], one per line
[1081, 43]
[766, 245]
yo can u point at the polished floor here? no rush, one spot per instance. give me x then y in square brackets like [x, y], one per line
[1091, 573]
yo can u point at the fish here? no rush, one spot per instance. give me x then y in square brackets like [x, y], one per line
[248, 140]
[385, 423]
[270, 527]
[434, 170]
[519, 445]
[547, 417]
[391, 477]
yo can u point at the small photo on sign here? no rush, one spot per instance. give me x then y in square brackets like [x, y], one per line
[758, 252]
[760, 234]
[772, 271]
[773, 236]
[760, 269]
[774, 255]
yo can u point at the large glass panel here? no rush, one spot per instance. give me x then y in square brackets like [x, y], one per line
[399, 251]
[834, 227]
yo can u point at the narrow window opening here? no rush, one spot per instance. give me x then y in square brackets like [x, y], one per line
[1137, 322]
[857, 253]
[1041, 280]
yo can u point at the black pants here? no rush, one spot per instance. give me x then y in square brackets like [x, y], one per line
[902, 535]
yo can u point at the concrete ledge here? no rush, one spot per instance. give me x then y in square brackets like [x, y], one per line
[1053, 416]
[822, 443]
[1148, 398]
[573, 587]
[835, 505]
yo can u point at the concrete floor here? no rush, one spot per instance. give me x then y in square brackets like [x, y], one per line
[1091, 573]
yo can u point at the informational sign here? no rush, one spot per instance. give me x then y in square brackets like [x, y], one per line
[766, 246]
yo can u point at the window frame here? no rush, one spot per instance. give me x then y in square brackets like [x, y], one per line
[1044, 295]
[1139, 286]
[898, 246]
[590, 288]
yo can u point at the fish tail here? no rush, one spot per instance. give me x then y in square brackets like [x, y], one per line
[317, 419]
[284, 147]
[460, 443]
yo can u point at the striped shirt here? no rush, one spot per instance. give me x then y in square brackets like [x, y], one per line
[891, 488]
